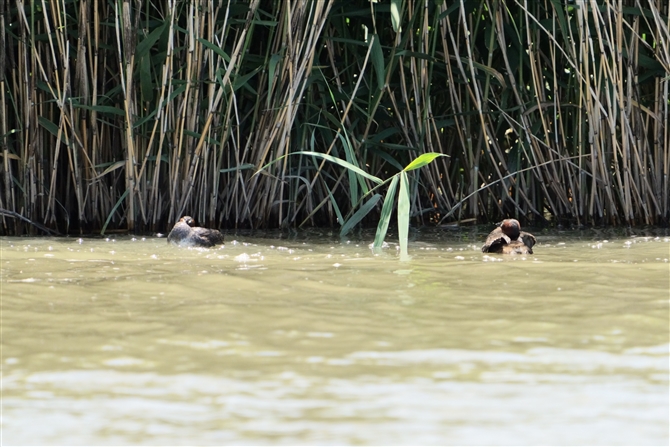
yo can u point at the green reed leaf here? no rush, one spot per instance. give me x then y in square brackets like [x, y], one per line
[385, 216]
[422, 160]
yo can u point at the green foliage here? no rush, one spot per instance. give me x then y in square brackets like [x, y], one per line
[403, 207]
[544, 108]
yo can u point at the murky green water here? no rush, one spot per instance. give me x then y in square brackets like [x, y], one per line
[316, 341]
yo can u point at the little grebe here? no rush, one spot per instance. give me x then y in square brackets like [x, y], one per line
[186, 234]
[508, 238]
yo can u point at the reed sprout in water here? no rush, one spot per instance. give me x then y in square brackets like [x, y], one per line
[125, 115]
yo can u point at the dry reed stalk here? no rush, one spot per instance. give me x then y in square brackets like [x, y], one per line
[7, 200]
[304, 22]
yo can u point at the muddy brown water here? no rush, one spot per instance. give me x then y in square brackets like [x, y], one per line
[313, 340]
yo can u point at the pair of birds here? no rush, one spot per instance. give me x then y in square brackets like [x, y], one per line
[507, 238]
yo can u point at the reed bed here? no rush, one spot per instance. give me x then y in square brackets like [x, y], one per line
[125, 115]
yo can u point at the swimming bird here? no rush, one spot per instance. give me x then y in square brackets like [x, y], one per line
[508, 238]
[186, 234]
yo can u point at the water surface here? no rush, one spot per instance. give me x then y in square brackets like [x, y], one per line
[313, 340]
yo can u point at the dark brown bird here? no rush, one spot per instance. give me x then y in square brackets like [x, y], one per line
[509, 239]
[186, 234]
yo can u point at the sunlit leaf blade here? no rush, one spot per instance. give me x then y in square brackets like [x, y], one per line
[395, 14]
[403, 215]
[342, 163]
[422, 160]
[360, 214]
[385, 216]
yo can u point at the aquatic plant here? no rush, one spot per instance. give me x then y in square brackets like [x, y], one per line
[371, 200]
[126, 115]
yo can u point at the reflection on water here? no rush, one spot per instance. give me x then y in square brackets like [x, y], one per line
[317, 341]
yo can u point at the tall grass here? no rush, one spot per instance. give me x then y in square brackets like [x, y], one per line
[124, 115]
